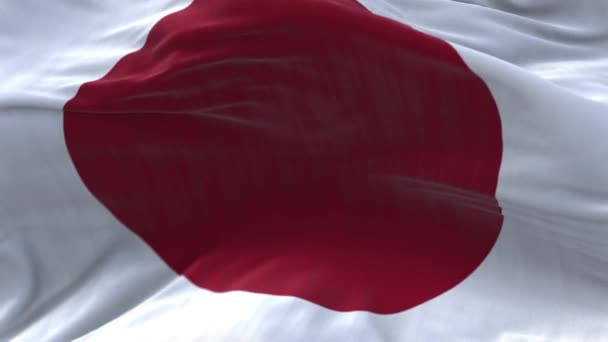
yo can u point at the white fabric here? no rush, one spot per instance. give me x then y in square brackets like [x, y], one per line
[562, 41]
[67, 267]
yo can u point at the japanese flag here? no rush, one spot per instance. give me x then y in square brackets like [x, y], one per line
[311, 170]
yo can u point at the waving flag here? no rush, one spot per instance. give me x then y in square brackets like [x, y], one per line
[319, 170]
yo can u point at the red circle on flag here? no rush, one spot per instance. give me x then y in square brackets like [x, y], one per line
[300, 148]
